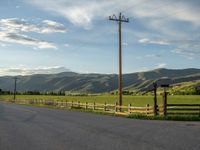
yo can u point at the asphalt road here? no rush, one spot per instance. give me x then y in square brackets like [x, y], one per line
[32, 128]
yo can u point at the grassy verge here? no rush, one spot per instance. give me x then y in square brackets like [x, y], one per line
[110, 99]
[173, 118]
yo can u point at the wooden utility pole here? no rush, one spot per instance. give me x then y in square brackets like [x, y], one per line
[15, 87]
[120, 20]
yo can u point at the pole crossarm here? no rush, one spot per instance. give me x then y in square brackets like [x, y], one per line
[121, 18]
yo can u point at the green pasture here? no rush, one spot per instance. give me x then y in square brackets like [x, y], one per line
[110, 99]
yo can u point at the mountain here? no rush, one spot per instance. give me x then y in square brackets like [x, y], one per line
[98, 83]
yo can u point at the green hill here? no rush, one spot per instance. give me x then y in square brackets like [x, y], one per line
[99, 83]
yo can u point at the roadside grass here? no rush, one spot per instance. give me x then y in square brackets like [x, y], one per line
[172, 118]
[110, 99]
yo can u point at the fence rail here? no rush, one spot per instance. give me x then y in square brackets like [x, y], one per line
[110, 108]
[183, 109]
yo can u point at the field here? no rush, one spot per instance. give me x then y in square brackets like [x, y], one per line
[134, 100]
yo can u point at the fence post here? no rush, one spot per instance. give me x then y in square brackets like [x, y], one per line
[165, 103]
[94, 106]
[86, 105]
[155, 99]
[116, 106]
[199, 110]
[105, 106]
[56, 103]
[65, 103]
[147, 109]
[78, 104]
[129, 108]
[72, 104]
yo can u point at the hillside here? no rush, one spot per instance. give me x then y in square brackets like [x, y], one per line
[98, 83]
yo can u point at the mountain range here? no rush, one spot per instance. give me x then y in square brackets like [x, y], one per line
[99, 83]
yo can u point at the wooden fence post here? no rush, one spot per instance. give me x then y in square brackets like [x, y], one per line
[66, 103]
[155, 99]
[147, 109]
[94, 106]
[78, 104]
[116, 104]
[105, 107]
[129, 108]
[199, 110]
[72, 104]
[86, 105]
[165, 103]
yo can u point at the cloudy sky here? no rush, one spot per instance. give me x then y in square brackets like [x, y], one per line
[50, 36]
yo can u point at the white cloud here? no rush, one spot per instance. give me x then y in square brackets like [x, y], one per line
[13, 30]
[160, 20]
[158, 42]
[20, 25]
[66, 45]
[149, 56]
[188, 50]
[84, 12]
[76, 12]
[3, 45]
[22, 70]
[25, 40]
[17, 7]
[52, 26]
[125, 44]
[161, 65]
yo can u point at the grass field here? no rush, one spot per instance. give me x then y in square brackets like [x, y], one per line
[134, 100]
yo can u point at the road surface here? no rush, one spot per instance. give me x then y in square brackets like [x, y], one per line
[32, 128]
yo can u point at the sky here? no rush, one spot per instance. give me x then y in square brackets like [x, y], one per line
[52, 36]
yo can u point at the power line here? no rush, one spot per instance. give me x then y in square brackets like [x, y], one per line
[120, 20]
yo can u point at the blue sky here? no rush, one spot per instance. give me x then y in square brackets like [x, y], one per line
[51, 36]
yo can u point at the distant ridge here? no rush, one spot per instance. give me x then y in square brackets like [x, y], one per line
[99, 83]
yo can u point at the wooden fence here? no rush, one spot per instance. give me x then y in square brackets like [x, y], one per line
[183, 109]
[109, 108]
[164, 110]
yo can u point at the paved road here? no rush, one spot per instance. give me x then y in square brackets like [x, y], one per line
[31, 128]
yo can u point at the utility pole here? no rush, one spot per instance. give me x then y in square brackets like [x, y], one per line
[15, 87]
[120, 20]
